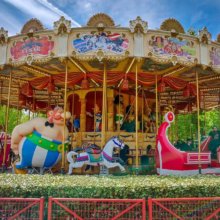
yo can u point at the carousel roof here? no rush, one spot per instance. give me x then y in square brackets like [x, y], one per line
[37, 60]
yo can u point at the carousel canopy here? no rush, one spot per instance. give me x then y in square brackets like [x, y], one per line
[37, 59]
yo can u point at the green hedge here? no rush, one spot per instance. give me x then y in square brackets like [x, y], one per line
[108, 187]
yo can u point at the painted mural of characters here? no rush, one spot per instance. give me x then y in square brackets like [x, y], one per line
[174, 47]
[119, 106]
[168, 48]
[113, 42]
[102, 40]
[39, 142]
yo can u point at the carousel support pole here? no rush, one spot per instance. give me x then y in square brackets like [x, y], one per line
[94, 117]
[83, 115]
[204, 100]
[72, 112]
[18, 111]
[191, 136]
[136, 116]
[104, 105]
[110, 104]
[142, 111]
[119, 111]
[156, 94]
[34, 104]
[64, 126]
[6, 122]
[186, 125]
[198, 121]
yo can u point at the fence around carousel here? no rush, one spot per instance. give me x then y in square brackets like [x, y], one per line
[90, 209]
[60, 208]
[184, 208]
[21, 208]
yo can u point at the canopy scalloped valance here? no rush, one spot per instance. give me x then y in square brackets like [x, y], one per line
[145, 79]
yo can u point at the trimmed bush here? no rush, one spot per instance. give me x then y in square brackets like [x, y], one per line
[108, 187]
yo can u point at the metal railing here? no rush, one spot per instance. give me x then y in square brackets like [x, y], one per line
[184, 208]
[21, 208]
[80, 209]
[102, 209]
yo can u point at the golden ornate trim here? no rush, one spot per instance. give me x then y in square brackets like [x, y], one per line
[172, 25]
[33, 25]
[100, 20]
[62, 26]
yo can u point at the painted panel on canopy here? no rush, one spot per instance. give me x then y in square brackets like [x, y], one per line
[163, 46]
[215, 56]
[31, 46]
[113, 42]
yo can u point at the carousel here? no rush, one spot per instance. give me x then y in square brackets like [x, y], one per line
[115, 81]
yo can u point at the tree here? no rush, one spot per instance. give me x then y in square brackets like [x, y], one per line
[186, 125]
[15, 117]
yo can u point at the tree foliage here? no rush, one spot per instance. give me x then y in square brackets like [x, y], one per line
[15, 117]
[186, 125]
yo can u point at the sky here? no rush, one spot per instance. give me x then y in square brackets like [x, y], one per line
[194, 14]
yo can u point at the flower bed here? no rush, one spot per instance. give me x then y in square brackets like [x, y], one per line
[108, 186]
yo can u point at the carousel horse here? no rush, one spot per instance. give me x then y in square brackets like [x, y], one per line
[104, 158]
[89, 148]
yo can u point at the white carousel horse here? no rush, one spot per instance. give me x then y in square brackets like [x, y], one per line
[104, 158]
